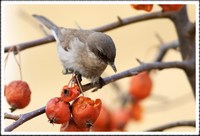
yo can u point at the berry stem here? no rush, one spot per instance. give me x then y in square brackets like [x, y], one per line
[18, 62]
[6, 60]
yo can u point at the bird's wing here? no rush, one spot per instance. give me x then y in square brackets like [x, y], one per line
[66, 35]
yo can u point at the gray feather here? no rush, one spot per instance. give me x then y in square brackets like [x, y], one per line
[49, 24]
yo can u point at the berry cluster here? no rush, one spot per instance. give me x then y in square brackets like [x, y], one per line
[165, 7]
[80, 115]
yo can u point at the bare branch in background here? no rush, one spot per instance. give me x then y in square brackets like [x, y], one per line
[172, 125]
[164, 48]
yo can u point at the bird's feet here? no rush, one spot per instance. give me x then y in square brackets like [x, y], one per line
[78, 77]
[101, 83]
[67, 71]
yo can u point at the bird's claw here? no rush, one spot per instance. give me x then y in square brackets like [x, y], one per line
[101, 83]
[66, 71]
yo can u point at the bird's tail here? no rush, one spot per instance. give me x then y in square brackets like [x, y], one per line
[49, 24]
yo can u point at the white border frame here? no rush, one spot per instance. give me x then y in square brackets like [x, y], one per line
[103, 2]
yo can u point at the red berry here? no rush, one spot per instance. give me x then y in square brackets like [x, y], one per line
[171, 7]
[103, 121]
[72, 126]
[85, 111]
[146, 7]
[17, 94]
[70, 93]
[57, 111]
[136, 111]
[119, 119]
[140, 86]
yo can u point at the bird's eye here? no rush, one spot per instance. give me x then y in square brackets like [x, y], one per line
[102, 56]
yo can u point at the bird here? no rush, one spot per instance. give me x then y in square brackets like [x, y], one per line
[86, 53]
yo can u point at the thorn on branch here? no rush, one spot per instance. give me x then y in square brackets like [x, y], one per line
[159, 38]
[172, 125]
[120, 20]
[139, 61]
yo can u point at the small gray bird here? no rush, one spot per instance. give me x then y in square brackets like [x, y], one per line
[84, 52]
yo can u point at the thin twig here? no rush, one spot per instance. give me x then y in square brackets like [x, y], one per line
[10, 116]
[167, 103]
[159, 38]
[164, 48]
[172, 125]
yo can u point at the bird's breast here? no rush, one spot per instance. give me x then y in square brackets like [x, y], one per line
[79, 58]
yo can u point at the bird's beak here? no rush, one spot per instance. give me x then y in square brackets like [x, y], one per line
[113, 67]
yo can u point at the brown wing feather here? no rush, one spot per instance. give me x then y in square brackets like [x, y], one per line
[66, 35]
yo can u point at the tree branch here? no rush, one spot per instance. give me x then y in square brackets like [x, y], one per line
[108, 27]
[136, 70]
[133, 19]
[164, 48]
[10, 116]
[186, 36]
[30, 44]
[23, 118]
[172, 125]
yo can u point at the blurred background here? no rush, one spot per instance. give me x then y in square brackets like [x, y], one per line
[171, 98]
